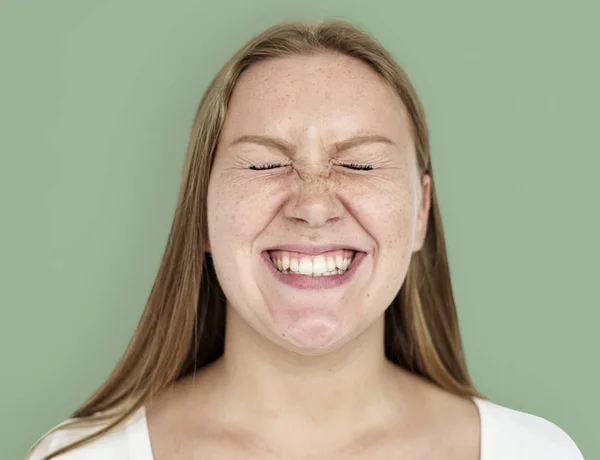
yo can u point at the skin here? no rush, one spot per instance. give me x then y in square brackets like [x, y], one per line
[304, 374]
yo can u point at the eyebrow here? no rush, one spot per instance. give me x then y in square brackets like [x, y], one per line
[289, 149]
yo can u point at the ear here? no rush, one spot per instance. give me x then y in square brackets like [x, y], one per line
[422, 213]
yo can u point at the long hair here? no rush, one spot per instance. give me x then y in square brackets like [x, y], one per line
[183, 325]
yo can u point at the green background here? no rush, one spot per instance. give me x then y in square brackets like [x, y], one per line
[96, 101]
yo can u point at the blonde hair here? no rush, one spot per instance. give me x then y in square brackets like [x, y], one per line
[182, 326]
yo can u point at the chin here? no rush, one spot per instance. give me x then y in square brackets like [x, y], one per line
[314, 336]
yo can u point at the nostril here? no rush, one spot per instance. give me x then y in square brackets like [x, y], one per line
[298, 220]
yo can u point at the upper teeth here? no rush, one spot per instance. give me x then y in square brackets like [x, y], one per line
[330, 263]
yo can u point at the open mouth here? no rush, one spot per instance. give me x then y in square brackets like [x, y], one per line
[327, 264]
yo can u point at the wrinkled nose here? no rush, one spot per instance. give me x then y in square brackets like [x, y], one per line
[313, 201]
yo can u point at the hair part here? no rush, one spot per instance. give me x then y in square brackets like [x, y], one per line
[183, 324]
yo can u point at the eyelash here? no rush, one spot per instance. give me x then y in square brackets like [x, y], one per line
[267, 166]
[358, 167]
[280, 165]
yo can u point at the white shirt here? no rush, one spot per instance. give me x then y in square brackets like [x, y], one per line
[506, 434]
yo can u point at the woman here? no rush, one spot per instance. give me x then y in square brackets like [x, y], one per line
[303, 307]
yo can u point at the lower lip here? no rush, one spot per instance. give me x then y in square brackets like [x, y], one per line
[315, 282]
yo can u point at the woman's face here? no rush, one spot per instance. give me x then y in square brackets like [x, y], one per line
[315, 201]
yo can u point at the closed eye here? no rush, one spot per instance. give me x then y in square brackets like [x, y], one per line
[267, 166]
[357, 166]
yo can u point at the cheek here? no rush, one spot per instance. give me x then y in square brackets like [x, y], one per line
[397, 223]
[239, 206]
[387, 214]
[385, 209]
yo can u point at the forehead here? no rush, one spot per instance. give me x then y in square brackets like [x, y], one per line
[332, 95]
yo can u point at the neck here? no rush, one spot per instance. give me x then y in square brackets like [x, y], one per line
[350, 386]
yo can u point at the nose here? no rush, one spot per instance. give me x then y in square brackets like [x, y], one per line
[313, 201]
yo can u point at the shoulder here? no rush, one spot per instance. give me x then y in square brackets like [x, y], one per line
[515, 435]
[117, 444]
